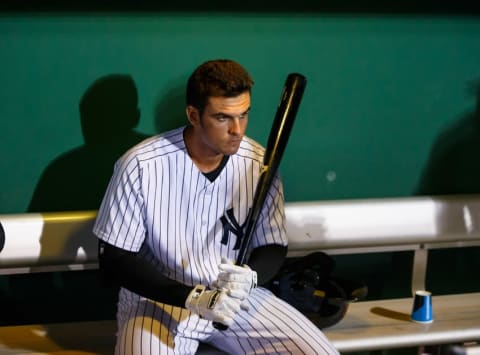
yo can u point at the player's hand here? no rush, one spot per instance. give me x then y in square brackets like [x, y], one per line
[214, 305]
[238, 281]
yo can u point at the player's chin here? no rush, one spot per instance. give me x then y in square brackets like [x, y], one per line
[231, 148]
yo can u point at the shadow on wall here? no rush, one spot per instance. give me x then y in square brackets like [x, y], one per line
[76, 180]
[453, 169]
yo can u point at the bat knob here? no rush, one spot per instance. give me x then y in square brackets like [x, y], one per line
[219, 326]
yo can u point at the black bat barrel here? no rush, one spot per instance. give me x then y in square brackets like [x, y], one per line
[277, 141]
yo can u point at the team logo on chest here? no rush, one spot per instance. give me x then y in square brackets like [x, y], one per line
[230, 224]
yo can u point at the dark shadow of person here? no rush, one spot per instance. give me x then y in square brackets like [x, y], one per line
[453, 170]
[452, 167]
[75, 181]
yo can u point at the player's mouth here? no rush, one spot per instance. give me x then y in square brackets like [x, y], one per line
[233, 145]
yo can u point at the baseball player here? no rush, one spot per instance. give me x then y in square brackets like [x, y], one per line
[170, 224]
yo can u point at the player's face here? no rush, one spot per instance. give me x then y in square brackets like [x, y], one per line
[223, 124]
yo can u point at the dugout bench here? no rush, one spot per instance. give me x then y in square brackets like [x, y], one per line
[32, 243]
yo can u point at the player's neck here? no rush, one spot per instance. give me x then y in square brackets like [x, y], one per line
[206, 161]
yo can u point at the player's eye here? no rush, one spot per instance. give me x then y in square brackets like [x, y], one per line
[245, 114]
[221, 117]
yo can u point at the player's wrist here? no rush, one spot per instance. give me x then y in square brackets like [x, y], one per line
[253, 277]
[191, 303]
[213, 305]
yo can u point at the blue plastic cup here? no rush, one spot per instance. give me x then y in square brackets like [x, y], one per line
[422, 307]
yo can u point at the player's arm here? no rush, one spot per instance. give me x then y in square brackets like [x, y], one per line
[127, 269]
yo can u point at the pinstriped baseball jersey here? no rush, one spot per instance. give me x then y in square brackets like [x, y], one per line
[159, 196]
[160, 204]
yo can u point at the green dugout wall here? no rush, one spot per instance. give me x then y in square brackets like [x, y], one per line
[380, 87]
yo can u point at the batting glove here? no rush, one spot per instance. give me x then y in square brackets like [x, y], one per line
[214, 305]
[238, 281]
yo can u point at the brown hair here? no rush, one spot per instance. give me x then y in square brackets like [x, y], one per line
[220, 77]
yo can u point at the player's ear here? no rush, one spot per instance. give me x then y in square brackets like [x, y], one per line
[193, 115]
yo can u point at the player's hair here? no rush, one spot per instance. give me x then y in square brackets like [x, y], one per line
[218, 78]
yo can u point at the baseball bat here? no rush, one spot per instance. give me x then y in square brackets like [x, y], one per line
[277, 141]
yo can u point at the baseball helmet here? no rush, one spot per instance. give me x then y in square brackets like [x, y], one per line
[308, 284]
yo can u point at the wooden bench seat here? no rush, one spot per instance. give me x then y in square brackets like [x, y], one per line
[386, 324]
[369, 325]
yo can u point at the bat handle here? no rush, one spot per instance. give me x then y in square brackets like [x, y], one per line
[220, 326]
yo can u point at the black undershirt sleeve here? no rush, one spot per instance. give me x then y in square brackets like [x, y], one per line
[129, 270]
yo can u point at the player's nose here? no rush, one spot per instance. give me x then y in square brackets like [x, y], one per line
[235, 127]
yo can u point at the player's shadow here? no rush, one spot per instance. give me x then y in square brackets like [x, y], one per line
[77, 180]
[452, 169]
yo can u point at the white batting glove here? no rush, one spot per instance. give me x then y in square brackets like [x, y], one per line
[214, 305]
[238, 281]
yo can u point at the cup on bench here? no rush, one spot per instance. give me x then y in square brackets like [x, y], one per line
[422, 307]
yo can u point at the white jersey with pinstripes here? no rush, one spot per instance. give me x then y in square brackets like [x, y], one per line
[159, 198]
[160, 204]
